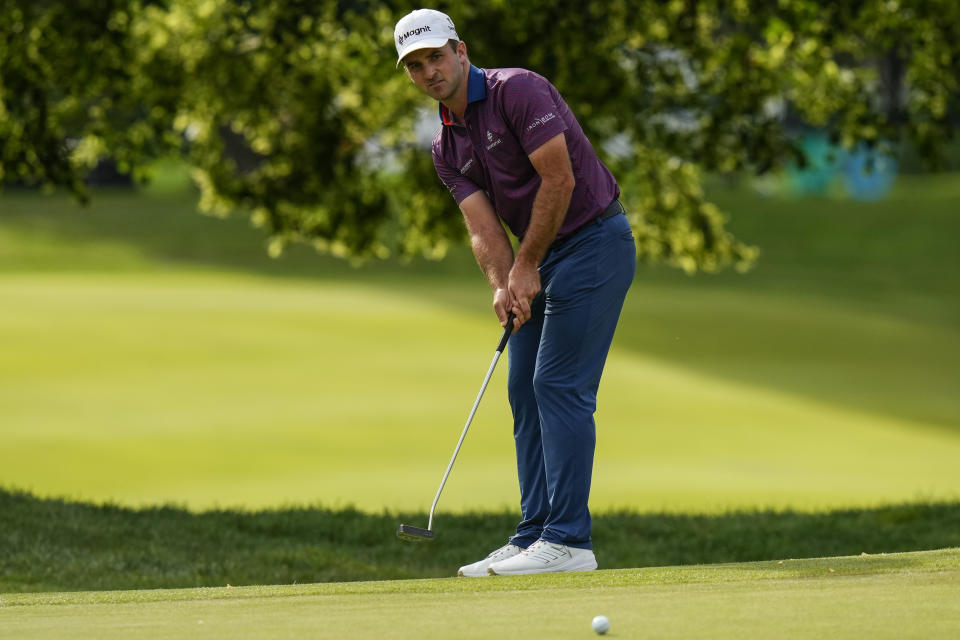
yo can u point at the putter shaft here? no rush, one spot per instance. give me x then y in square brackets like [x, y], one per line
[507, 330]
[463, 435]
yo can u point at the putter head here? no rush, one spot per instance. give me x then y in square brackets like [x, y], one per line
[414, 534]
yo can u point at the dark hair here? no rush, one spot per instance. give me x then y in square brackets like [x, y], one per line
[453, 44]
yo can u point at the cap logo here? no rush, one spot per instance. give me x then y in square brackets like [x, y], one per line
[422, 29]
[413, 32]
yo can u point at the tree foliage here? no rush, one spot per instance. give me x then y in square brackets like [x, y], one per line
[293, 111]
[72, 92]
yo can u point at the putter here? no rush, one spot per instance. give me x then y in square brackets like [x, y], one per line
[416, 534]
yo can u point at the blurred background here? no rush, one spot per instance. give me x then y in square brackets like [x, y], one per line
[229, 276]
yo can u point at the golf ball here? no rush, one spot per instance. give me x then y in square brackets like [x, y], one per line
[601, 625]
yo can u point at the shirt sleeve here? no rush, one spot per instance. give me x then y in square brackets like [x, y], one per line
[530, 107]
[459, 186]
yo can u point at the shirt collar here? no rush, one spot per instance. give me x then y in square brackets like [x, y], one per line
[476, 90]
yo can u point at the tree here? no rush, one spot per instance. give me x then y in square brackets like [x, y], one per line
[70, 93]
[292, 110]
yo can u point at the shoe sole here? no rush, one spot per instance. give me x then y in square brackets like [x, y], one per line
[582, 566]
[461, 574]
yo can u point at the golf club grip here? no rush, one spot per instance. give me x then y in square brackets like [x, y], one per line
[507, 330]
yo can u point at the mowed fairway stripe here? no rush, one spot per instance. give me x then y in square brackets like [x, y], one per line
[208, 390]
[892, 596]
[212, 389]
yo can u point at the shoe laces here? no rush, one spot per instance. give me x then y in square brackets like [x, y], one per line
[545, 552]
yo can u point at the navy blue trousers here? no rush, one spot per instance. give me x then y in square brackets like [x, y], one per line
[556, 359]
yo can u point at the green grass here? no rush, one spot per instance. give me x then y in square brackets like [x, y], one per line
[152, 355]
[58, 545]
[888, 596]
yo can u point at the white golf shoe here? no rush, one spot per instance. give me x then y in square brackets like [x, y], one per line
[479, 568]
[545, 557]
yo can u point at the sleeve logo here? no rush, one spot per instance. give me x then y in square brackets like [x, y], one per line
[541, 120]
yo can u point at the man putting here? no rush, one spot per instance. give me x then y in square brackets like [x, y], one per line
[510, 150]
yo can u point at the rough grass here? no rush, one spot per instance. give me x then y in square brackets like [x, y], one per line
[59, 545]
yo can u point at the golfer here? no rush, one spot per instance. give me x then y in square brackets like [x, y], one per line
[509, 150]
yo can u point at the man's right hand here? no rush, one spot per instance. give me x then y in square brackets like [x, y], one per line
[523, 285]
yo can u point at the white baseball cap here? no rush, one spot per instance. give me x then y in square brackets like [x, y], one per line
[423, 29]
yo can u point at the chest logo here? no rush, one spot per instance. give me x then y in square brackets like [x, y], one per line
[493, 142]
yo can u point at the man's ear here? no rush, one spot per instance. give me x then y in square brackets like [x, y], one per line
[462, 51]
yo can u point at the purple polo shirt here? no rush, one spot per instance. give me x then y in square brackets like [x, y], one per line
[510, 113]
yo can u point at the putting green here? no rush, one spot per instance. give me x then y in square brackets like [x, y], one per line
[890, 596]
